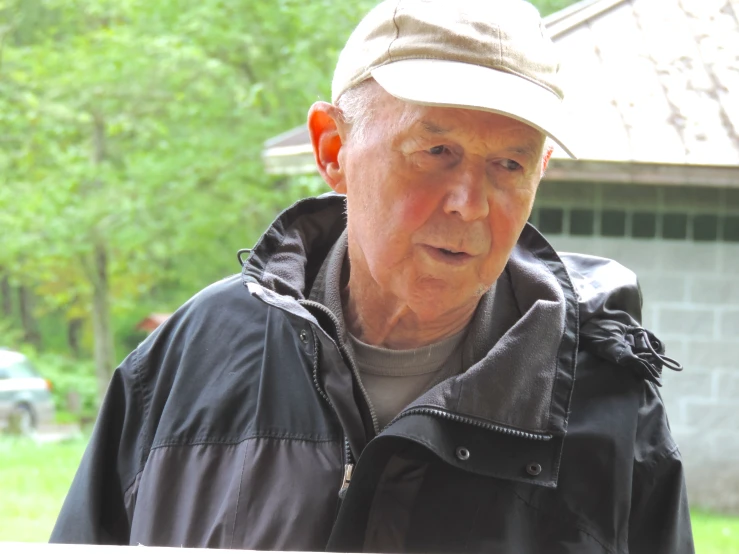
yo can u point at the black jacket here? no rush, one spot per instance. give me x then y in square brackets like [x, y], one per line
[239, 421]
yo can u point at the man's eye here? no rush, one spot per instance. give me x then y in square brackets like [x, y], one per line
[437, 150]
[511, 165]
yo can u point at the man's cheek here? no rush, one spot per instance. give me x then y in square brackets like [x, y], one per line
[411, 211]
[506, 222]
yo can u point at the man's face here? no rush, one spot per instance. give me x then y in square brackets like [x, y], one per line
[436, 199]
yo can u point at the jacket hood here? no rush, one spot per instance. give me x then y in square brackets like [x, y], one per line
[610, 308]
[288, 256]
[540, 299]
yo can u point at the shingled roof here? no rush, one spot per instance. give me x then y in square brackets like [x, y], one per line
[652, 89]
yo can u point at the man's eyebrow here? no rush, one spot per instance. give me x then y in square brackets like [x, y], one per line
[528, 150]
[433, 128]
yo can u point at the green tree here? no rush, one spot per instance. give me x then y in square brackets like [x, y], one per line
[132, 133]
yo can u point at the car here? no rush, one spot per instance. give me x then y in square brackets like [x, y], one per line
[25, 397]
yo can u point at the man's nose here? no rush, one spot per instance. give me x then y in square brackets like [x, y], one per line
[467, 196]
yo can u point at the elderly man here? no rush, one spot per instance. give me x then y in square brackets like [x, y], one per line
[406, 365]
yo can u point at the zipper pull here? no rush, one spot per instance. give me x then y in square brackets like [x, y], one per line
[348, 469]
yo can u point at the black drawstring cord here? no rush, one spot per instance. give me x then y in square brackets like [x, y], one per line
[654, 347]
[672, 363]
[241, 253]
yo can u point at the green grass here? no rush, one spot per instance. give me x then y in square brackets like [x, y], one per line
[715, 534]
[35, 477]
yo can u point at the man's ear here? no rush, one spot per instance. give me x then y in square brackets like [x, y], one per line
[324, 136]
[547, 156]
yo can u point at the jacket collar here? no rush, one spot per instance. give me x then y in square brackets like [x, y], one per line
[523, 353]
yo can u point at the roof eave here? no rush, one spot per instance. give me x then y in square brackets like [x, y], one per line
[643, 173]
[567, 19]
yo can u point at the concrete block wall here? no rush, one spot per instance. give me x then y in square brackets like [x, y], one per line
[691, 302]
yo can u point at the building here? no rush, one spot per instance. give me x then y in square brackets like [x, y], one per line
[151, 322]
[653, 92]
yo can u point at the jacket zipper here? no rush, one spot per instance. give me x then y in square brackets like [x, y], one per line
[348, 469]
[349, 461]
[316, 383]
[347, 451]
[347, 357]
[470, 421]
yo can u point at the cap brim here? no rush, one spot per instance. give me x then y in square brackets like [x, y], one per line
[460, 85]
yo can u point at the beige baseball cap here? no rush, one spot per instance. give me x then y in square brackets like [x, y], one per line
[490, 55]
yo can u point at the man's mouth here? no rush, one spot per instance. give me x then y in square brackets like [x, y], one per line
[448, 255]
[452, 252]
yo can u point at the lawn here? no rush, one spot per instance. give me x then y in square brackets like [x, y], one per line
[715, 534]
[35, 477]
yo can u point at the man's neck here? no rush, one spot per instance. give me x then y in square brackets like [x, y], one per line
[381, 319]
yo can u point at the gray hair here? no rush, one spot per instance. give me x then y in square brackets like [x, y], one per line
[357, 105]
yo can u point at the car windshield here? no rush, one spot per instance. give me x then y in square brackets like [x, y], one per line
[18, 369]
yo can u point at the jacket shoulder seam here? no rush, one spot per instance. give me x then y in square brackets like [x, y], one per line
[198, 441]
[146, 445]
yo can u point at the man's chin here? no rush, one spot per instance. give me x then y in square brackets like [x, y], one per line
[434, 301]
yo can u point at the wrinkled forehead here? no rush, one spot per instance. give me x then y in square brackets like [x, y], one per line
[387, 118]
[463, 123]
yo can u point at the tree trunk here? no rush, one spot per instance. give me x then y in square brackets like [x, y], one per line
[74, 329]
[31, 333]
[101, 327]
[7, 301]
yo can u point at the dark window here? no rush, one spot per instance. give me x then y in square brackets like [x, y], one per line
[643, 225]
[613, 223]
[731, 228]
[705, 227]
[550, 220]
[582, 222]
[675, 226]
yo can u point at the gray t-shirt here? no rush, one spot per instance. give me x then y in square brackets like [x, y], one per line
[395, 378]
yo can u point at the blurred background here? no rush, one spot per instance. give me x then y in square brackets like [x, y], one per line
[142, 143]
